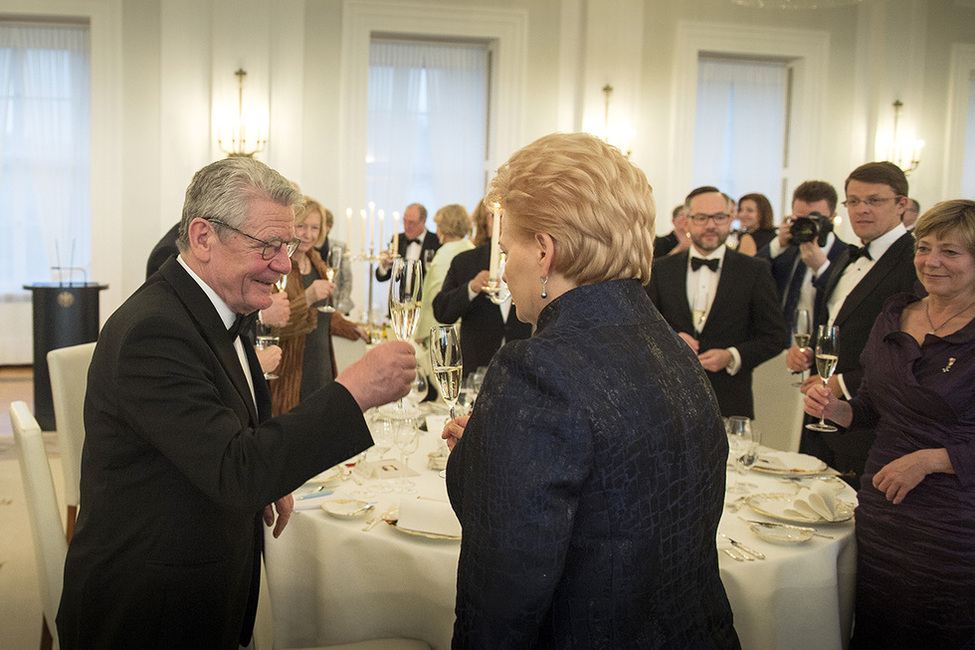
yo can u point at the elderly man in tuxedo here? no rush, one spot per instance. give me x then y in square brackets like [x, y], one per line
[863, 278]
[415, 242]
[181, 459]
[800, 270]
[722, 303]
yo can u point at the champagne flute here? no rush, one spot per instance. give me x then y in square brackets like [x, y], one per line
[266, 337]
[282, 282]
[406, 279]
[407, 438]
[802, 332]
[827, 354]
[447, 362]
[332, 265]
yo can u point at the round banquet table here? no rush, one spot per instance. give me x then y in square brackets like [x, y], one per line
[331, 582]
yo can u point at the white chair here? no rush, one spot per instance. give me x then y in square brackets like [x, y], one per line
[50, 546]
[778, 405]
[69, 381]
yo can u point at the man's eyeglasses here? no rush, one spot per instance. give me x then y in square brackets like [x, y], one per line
[871, 202]
[271, 247]
[720, 218]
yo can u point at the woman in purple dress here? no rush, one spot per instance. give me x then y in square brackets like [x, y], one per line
[915, 522]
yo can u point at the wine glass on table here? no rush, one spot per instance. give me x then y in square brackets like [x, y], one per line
[802, 332]
[407, 438]
[267, 336]
[447, 362]
[743, 445]
[827, 354]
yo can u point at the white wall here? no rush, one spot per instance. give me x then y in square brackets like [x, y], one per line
[162, 68]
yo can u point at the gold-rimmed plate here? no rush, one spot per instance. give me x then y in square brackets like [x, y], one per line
[347, 508]
[784, 463]
[783, 533]
[779, 506]
[330, 475]
[392, 518]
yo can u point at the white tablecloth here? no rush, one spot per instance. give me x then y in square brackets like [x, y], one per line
[332, 582]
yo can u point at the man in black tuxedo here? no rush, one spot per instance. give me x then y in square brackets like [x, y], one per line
[800, 270]
[484, 326]
[876, 197]
[722, 303]
[181, 458]
[415, 242]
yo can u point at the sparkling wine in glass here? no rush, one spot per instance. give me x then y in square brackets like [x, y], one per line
[447, 362]
[332, 265]
[802, 332]
[827, 354]
[266, 337]
[404, 297]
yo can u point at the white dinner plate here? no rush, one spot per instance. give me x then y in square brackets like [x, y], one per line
[392, 518]
[785, 463]
[775, 504]
[783, 533]
[328, 476]
[347, 507]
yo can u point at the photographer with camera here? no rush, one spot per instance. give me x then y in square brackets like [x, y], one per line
[805, 248]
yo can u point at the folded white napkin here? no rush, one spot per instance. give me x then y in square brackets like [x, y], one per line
[815, 503]
[790, 461]
[429, 516]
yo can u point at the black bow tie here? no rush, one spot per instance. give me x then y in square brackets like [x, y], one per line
[856, 253]
[697, 262]
[413, 241]
[242, 324]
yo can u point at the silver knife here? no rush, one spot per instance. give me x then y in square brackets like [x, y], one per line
[747, 549]
[768, 524]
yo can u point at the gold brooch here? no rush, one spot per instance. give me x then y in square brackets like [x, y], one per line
[951, 362]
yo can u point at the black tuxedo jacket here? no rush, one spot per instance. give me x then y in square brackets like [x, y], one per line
[430, 243]
[163, 250]
[744, 314]
[846, 450]
[177, 466]
[789, 270]
[481, 326]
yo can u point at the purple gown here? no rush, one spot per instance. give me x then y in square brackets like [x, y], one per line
[916, 560]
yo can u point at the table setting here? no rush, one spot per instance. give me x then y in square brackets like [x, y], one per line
[368, 556]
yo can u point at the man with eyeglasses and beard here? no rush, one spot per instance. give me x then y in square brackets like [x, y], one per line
[722, 303]
[864, 277]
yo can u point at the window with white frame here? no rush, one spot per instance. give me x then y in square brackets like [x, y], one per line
[741, 126]
[428, 124]
[45, 153]
[968, 167]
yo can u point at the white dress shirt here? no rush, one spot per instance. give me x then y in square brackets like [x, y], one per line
[702, 284]
[228, 317]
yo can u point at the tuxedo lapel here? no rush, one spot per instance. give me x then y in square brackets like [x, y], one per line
[212, 329]
[874, 276]
[675, 283]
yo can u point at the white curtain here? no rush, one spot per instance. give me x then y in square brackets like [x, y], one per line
[968, 167]
[740, 123]
[45, 153]
[427, 138]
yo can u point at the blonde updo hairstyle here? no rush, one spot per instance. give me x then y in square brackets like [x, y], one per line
[302, 212]
[594, 203]
[452, 220]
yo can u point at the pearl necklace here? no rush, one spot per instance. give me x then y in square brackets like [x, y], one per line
[927, 314]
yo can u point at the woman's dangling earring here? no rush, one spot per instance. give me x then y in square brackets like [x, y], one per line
[544, 290]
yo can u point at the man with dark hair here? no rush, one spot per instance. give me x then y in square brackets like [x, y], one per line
[181, 457]
[863, 278]
[802, 269]
[415, 242]
[720, 302]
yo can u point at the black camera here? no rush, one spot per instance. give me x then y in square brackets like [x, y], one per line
[813, 227]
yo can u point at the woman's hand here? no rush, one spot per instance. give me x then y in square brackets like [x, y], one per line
[821, 402]
[453, 431]
[318, 290]
[898, 477]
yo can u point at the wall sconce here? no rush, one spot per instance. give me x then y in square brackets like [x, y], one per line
[904, 151]
[239, 144]
[617, 133]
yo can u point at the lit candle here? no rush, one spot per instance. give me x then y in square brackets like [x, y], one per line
[382, 229]
[363, 214]
[348, 227]
[372, 225]
[395, 231]
[495, 241]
